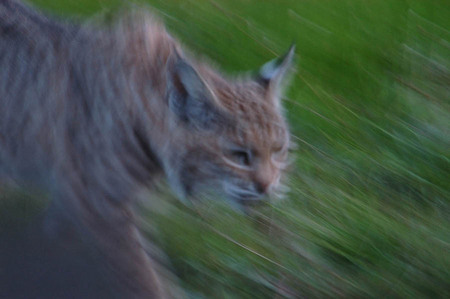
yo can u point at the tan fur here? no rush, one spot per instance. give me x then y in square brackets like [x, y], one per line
[92, 114]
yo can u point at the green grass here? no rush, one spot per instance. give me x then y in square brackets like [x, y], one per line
[368, 212]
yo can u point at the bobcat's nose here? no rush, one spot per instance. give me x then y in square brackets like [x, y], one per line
[264, 178]
[262, 187]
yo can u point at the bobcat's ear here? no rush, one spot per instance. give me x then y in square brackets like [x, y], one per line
[271, 74]
[189, 97]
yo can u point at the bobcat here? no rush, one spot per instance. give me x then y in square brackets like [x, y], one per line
[90, 114]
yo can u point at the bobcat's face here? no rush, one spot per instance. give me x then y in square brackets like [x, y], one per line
[234, 139]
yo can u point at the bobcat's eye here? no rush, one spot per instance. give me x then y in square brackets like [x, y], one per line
[277, 149]
[241, 157]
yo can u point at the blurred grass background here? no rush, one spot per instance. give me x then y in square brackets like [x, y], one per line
[368, 214]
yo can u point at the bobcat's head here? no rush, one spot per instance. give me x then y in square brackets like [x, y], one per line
[226, 137]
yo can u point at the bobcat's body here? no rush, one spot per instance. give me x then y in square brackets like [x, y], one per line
[88, 115]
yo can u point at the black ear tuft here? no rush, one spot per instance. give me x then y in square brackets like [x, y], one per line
[271, 74]
[190, 98]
